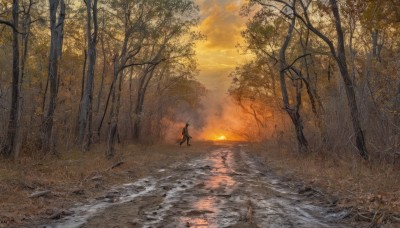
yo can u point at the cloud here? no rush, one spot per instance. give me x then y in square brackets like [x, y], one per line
[218, 55]
[221, 23]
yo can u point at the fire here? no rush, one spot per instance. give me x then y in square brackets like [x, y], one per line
[221, 138]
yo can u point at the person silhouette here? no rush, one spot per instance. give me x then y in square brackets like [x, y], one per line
[185, 135]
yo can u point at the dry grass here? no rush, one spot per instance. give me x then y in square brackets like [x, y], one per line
[74, 170]
[367, 185]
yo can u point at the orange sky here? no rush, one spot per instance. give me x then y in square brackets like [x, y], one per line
[218, 55]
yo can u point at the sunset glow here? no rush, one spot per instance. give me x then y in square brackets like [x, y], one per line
[221, 138]
[218, 54]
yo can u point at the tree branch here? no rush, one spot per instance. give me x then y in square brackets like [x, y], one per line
[11, 25]
[143, 63]
[290, 66]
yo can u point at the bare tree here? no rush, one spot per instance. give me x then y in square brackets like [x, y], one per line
[338, 54]
[85, 118]
[114, 112]
[10, 143]
[286, 71]
[164, 48]
[103, 72]
[123, 59]
[26, 27]
[292, 111]
[57, 34]
[340, 58]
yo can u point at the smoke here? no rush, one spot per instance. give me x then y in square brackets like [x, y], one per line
[217, 56]
[224, 120]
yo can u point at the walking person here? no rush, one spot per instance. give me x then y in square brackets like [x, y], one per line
[185, 135]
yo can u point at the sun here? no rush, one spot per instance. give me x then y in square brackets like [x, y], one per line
[221, 138]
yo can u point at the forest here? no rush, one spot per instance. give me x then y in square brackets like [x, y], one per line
[89, 71]
[99, 82]
[331, 67]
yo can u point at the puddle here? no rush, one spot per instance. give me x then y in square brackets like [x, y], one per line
[81, 213]
[208, 192]
[209, 210]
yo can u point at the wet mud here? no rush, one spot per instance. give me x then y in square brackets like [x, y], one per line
[227, 187]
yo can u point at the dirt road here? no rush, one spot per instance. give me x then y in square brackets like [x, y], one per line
[227, 187]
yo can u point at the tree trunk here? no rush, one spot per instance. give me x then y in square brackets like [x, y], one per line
[293, 112]
[375, 34]
[139, 104]
[26, 25]
[56, 28]
[307, 80]
[131, 102]
[105, 109]
[114, 112]
[143, 84]
[297, 121]
[103, 71]
[340, 58]
[82, 86]
[351, 97]
[85, 132]
[119, 64]
[9, 145]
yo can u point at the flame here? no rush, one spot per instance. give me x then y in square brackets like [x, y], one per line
[221, 138]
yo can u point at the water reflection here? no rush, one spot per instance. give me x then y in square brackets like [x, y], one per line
[206, 209]
[205, 204]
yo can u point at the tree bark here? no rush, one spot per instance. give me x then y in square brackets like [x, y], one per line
[56, 29]
[103, 71]
[26, 26]
[143, 82]
[82, 89]
[9, 145]
[351, 97]
[293, 112]
[114, 112]
[105, 109]
[375, 34]
[340, 58]
[85, 132]
[119, 64]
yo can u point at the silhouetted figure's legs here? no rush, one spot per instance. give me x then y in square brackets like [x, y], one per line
[183, 140]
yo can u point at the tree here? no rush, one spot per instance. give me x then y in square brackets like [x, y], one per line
[292, 111]
[337, 53]
[85, 117]
[253, 89]
[26, 30]
[134, 35]
[258, 33]
[167, 45]
[10, 143]
[340, 58]
[56, 42]
[150, 43]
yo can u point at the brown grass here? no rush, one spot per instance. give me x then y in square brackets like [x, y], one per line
[72, 171]
[367, 185]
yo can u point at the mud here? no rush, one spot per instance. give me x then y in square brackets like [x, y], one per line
[227, 187]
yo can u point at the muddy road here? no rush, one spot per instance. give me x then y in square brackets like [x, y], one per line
[227, 187]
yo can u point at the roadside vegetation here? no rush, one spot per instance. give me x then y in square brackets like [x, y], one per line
[94, 93]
